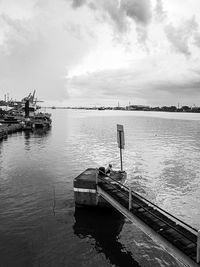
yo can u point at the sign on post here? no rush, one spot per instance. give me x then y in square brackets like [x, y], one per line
[120, 141]
[120, 136]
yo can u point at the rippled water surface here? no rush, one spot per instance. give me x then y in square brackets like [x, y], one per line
[39, 225]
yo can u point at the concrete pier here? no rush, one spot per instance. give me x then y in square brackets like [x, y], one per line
[95, 188]
[85, 187]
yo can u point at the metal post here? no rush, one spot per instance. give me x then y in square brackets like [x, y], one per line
[120, 137]
[96, 176]
[121, 159]
[130, 199]
[97, 195]
[198, 246]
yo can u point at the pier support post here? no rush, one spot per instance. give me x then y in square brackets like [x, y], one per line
[130, 198]
[198, 246]
[96, 176]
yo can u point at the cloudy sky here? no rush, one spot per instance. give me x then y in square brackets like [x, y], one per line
[101, 52]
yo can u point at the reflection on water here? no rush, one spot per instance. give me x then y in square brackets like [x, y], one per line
[161, 155]
[27, 135]
[39, 136]
[43, 132]
[40, 132]
[104, 226]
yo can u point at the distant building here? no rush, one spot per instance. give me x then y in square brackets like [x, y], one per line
[118, 108]
[137, 107]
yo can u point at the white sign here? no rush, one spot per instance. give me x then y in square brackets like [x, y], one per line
[120, 136]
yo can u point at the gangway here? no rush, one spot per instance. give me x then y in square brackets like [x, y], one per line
[177, 237]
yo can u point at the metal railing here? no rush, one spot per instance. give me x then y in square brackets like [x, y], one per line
[101, 176]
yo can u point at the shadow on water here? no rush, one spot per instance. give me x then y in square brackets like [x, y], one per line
[104, 225]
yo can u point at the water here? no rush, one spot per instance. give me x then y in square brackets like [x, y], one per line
[39, 225]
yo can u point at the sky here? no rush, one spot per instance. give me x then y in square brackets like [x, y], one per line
[101, 52]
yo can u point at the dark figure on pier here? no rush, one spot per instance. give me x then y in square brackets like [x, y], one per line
[102, 171]
[109, 169]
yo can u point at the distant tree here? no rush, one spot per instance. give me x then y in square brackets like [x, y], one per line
[196, 109]
[164, 108]
[186, 108]
[156, 108]
[172, 108]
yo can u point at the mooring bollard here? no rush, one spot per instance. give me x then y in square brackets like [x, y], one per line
[130, 198]
[198, 246]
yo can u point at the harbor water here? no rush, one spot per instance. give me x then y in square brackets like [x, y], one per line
[39, 224]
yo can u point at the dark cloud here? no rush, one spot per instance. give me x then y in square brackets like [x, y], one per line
[160, 14]
[78, 3]
[180, 36]
[186, 92]
[116, 14]
[120, 13]
[105, 84]
[130, 84]
[177, 87]
[138, 10]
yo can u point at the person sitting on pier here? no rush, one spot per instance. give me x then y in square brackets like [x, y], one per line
[109, 169]
[102, 171]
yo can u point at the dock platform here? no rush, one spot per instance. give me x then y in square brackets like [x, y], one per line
[178, 238]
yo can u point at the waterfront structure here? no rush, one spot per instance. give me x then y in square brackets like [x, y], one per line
[25, 113]
[137, 107]
[94, 188]
[6, 129]
[42, 120]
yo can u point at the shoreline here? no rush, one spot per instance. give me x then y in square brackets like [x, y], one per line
[6, 129]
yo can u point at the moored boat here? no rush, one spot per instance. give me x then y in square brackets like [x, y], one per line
[25, 113]
[9, 119]
[28, 124]
[41, 120]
